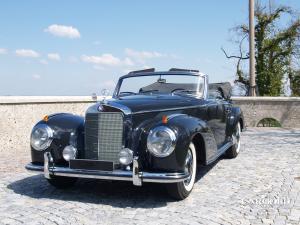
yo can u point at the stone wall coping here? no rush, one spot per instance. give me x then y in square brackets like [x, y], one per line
[276, 99]
[7, 100]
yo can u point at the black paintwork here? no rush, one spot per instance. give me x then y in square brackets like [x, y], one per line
[211, 120]
[63, 124]
[141, 103]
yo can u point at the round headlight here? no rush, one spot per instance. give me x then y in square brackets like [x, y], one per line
[41, 137]
[161, 141]
[69, 153]
[126, 156]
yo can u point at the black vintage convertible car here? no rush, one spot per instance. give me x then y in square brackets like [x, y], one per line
[157, 127]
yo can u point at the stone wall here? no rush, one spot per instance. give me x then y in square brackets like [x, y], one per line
[19, 114]
[285, 110]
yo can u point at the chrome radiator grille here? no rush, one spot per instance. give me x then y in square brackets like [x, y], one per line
[103, 135]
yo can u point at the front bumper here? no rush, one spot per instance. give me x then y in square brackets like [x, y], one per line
[136, 176]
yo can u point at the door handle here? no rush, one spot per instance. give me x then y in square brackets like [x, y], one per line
[227, 110]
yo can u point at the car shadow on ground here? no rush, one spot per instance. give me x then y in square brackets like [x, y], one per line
[114, 193]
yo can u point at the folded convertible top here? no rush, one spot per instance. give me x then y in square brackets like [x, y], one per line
[225, 88]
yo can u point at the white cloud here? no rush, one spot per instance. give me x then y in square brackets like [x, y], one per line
[142, 55]
[107, 60]
[3, 51]
[44, 62]
[27, 53]
[54, 56]
[128, 62]
[36, 76]
[63, 31]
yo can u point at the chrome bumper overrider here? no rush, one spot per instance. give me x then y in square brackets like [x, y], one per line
[136, 176]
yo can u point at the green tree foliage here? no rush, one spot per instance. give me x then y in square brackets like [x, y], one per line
[268, 122]
[276, 48]
[295, 82]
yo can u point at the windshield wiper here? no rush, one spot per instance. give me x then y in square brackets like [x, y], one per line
[126, 93]
[148, 91]
[185, 92]
[182, 90]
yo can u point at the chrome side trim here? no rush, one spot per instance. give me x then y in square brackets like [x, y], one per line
[175, 115]
[220, 151]
[167, 109]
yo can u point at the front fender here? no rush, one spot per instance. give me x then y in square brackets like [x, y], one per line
[185, 127]
[67, 129]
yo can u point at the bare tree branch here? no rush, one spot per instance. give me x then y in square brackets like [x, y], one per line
[240, 57]
[233, 56]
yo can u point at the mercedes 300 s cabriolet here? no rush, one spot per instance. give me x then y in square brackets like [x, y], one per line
[157, 127]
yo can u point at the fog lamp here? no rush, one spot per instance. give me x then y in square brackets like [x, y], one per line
[125, 156]
[69, 152]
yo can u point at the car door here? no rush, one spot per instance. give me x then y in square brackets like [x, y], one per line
[224, 109]
[216, 116]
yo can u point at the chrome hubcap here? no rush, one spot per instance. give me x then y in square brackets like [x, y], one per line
[236, 138]
[189, 166]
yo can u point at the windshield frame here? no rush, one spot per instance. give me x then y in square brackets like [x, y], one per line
[195, 74]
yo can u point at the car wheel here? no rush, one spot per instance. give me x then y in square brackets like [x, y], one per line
[234, 150]
[62, 182]
[182, 189]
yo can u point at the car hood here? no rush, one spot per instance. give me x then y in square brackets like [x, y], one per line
[144, 103]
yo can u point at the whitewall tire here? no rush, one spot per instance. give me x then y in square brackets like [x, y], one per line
[234, 150]
[182, 189]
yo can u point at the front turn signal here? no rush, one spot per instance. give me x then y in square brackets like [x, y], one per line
[46, 118]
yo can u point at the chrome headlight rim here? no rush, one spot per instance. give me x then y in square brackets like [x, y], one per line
[170, 147]
[47, 143]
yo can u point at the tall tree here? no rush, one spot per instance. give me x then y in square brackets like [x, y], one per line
[295, 83]
[276, 47]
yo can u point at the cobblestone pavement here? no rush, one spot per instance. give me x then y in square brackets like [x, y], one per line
[260, 186]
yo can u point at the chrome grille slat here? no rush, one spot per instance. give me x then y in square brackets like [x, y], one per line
[103, 135]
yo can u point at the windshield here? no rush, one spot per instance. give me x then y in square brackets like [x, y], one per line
[162, 84]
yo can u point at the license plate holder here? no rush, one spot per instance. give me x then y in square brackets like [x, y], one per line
[88, 164]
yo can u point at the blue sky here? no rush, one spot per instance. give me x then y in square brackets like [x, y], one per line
[81, 47]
